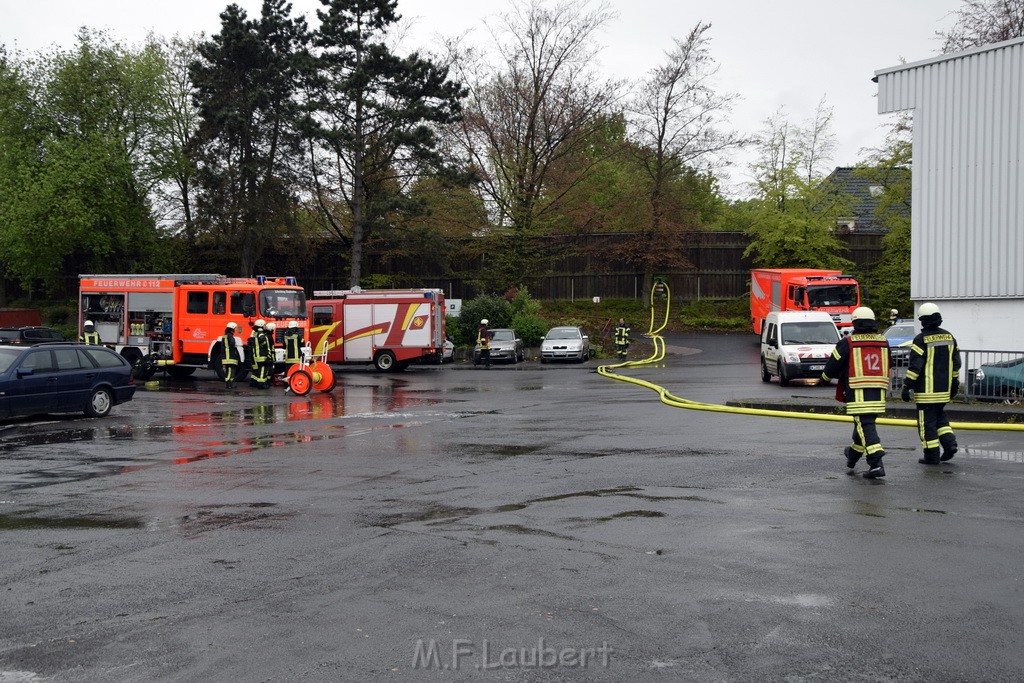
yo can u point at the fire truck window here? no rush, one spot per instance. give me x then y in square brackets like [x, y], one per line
[322, 315]
[243, 303]
[198, 302]
[220, 303]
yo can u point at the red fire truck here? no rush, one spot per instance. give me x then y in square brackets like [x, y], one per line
[174, 321]
[390, 328]
[803, 289]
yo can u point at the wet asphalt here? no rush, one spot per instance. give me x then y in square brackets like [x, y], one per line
[523, 523]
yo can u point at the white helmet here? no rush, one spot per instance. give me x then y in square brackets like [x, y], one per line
[292, 324]
[484, 321]
[927, 309]
[862, 313]
[88, 323]
[232, 326]
[260, 323]
[271, 327]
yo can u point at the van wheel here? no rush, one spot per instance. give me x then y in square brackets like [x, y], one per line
[765, 375]
[783, 379]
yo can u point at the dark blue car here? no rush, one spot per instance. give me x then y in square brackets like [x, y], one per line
[62, 378]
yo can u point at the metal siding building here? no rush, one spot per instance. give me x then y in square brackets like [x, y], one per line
[967, 249]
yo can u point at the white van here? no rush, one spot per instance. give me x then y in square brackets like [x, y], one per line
[796, 344]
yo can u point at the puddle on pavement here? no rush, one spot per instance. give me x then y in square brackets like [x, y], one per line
[19, 522]
[934, 512]
[526, 531]
[500, 450]
[247, 516]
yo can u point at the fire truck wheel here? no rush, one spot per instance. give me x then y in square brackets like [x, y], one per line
[215, 365]
[300, 382]
[100, 403]
[385, 361]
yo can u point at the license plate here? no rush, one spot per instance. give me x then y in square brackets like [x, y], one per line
[816, 367]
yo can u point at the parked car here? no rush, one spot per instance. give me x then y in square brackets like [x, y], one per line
[564, 343]
[448, 355]
[29, 335]
[796, 345]
[1002, 380]
[505, 345]
[62, 377]
[900, 335]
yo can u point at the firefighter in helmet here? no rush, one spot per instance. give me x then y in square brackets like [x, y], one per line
[483, 341]
[861, 364]
[934, 377]
[89, 334]
[622, 340]
[231, 354]
[259, 347]
[292, 343]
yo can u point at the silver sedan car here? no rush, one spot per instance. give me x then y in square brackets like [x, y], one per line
[564, 343]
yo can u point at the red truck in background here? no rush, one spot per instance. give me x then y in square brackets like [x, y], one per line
[803, 289]
[390, 328]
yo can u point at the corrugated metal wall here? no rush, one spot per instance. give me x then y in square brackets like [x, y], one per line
[968, 169]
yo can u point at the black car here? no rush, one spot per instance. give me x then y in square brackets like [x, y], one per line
[62, 377]
[29, 335]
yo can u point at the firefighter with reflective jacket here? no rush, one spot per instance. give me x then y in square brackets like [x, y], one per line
[271, 330]
[861, 364]
[89, 334]
[483, 342]
[231, 358]
[260, 350]
[292, 344]
[934, 377]
[622, 340]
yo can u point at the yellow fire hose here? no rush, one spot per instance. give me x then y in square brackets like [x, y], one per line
[669, 399]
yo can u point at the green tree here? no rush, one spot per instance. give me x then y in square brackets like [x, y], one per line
[78, 161]
[374, 116]
[792, 219]
[247, 146]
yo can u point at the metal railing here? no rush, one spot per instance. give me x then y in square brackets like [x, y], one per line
[984, 375]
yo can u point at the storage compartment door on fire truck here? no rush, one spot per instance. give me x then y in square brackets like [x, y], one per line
[359, 331]
[413, 325]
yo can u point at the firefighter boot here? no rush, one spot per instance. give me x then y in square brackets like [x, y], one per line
[852, 457]
[876, 471]
[931, 457]
[949, 449]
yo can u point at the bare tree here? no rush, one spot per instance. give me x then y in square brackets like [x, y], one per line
[982, 22]
[676, 120]
[535, 104]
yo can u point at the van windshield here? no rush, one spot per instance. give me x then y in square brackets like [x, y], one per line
[809, 333]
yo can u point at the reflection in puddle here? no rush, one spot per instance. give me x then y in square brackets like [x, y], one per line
[14, 522]
[1008, 456]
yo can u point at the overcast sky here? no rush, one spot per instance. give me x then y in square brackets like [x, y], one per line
[772, 53]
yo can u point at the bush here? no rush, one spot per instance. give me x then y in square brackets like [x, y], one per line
[495, 309]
